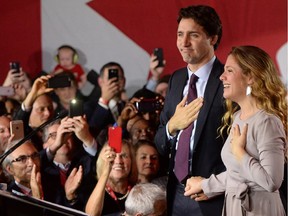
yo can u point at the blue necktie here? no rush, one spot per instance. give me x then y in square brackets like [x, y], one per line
[181, 167]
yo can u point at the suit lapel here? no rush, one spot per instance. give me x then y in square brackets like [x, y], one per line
[180, 84]
[211, 90]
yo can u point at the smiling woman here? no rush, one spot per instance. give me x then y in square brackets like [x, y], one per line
[115, 180]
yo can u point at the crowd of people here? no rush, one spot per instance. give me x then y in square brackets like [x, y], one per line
[209, 139]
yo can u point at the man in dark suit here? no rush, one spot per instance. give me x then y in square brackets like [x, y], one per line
[23, 164]
[199, 34]
[105, 110]
[67, 167]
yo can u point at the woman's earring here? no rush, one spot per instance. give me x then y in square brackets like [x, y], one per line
[248, 90]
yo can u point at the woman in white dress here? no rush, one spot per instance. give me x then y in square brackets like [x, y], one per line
[254, 153]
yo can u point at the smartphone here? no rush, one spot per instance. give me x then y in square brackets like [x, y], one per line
[17, 128]
[15, 66]
[59, 81]
[113, 73]
[115, 138]
[158, 52]
[7, 91]
[147, 105]
[76, 108]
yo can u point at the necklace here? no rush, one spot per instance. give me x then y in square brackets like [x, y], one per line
[112, 193]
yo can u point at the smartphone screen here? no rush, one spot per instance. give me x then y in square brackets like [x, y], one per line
[7, 91]
[113, 73]
[115, 138]
[76, 108]
[15, 66]
[17, 128]
[158, 52]
[60, 81]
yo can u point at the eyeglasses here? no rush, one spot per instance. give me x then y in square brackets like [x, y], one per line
[52, 135]
[24, 158]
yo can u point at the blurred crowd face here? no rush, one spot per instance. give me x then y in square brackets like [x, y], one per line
[4, 132]
[66, 94]
[122, 165]
[141, 130]
[161, 89]
[147, 161]
[65, 57]
[21, 163]
[42, 110]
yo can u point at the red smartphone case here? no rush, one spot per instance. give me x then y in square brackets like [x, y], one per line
[115, 138]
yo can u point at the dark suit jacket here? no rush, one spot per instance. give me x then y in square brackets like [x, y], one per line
[206, 159]
[51, 181]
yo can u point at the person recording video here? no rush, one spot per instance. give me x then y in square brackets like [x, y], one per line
[36, 109]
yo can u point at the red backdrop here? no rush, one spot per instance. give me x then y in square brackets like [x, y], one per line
[262, 23]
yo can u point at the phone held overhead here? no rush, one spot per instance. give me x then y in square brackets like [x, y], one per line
[15, 65]
[76, 108]
[59, 81]
[148, 105]
[158, 52]
[113, 72]
[115, 138]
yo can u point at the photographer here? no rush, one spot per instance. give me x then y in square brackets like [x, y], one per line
[105, 110]
[65, 91]
[36, 109]
[68, 162]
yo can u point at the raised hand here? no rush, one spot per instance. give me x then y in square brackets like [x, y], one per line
[81, 129]
[155, 71]
[128, 112]
[73, 182]
[35, 183]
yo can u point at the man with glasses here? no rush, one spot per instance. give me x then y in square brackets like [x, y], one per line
[23, 164]
[67, 166]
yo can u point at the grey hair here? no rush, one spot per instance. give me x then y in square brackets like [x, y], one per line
[7, 160]
[45, 133]
[143, 197]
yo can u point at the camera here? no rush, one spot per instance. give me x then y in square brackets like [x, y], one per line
[15, 66]
[76, 108]
[113, 73]
[148, 105]
[59, 81]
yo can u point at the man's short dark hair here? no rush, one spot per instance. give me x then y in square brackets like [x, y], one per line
[204, 16]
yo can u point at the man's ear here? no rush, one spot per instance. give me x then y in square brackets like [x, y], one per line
[100, 81]
[213, 39]
[9, 169]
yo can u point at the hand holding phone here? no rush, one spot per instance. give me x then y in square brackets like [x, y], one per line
[75, 108]
[158, 52]
[15, 66]
[115, 138]
[113, 73]
[17, 128]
